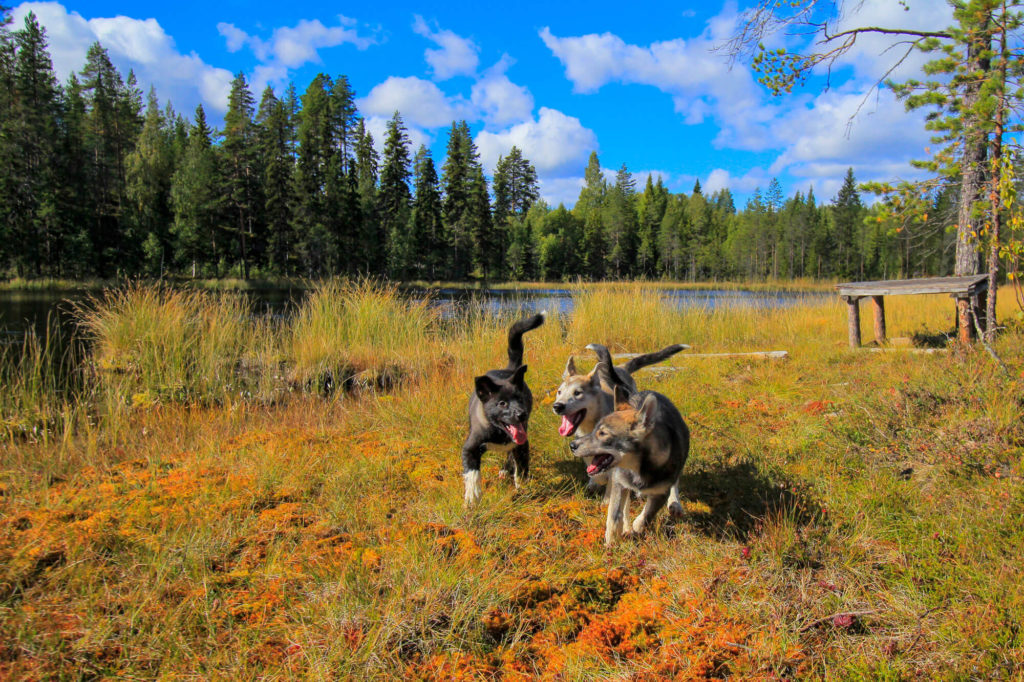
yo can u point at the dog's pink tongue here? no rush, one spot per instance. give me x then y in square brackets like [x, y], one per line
[591, 468]
[518, 434]
[566, 427]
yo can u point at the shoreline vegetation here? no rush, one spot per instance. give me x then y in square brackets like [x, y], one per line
[57, 285]
[218, 494]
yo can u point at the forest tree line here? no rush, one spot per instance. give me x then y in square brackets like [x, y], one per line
[98, 181]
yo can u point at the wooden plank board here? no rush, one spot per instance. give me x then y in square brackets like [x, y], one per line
[929, 285]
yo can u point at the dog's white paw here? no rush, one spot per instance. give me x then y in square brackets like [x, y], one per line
[473, 490]
[676, 510]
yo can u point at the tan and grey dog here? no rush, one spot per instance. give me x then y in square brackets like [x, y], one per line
[642, 446]
[583, 399]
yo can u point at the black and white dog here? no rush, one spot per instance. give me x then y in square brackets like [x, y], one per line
[499, 411]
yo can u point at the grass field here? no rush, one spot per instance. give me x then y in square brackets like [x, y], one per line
[210, 511]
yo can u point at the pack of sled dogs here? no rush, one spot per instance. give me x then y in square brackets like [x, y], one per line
[632, 442]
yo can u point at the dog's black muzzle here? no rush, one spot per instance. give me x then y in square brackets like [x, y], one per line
[573, 445]
[559, 408]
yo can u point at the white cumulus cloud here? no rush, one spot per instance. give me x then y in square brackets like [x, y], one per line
[293, 46]
[556, 144]
[455, 56]
[138, 44]
[420, 102]
[501, 101]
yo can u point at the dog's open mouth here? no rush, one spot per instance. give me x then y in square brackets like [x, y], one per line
[570, 422]
[600, 462]
[517, 433]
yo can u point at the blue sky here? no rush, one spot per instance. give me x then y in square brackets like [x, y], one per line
[641, 85]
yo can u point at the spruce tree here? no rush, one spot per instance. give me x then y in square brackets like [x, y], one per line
[650, 209]
[620, 222]
[488, 243]
[8, 214]
[196, 201]
[317, 245]
[240, 173]
[427, 222]
[371, 236]
[456, 183]
[589, 209]
[35, 163]
[275, 143]
[106, 103]
[148, 182]
[848, 212]
[75, 192]
[515, 191]
[395, 200]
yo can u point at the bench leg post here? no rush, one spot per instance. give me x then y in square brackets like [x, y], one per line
[980, 303]
[853, 317]
[964, 327]
[878, 304]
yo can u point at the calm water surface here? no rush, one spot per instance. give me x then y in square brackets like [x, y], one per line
[25, 311]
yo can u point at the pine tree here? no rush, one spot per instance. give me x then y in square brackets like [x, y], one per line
[240, 173]
[395, 199]
[196, 201]
[427, 223]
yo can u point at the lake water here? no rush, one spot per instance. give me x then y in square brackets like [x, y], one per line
[24, 311]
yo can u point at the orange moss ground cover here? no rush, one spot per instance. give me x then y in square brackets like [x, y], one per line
[849, 516]
[280, 547]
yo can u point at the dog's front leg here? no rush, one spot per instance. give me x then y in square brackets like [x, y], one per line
[613, 523]
[675, 507]
[651, 507]
[520, 463]
[472, 451]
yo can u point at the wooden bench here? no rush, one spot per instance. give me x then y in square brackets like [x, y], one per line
[970, 292]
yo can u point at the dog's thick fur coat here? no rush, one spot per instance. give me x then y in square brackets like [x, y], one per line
[499, 411]
[583, 399]
[642, 445]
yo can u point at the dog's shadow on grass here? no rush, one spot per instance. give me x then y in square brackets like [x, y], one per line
[730, 501]
[724, 501]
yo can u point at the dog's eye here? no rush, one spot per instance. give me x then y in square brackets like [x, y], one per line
[577, 393]
[502, 403]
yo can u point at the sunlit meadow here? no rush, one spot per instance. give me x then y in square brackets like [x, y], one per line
[226, 496]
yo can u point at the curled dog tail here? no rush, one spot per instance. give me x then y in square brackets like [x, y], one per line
[515, 337]
[652, 358]
[605, 369]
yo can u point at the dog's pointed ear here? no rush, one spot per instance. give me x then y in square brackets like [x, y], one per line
[485, 387]
[518, 379]
[595, 374]
[622, 398]
[646, 414]
[570, 369]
